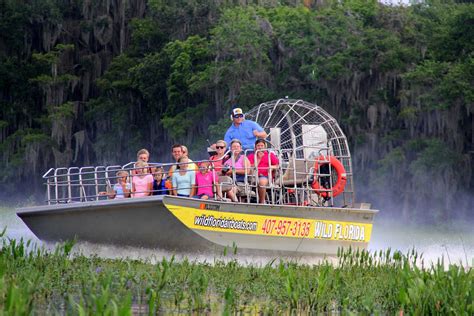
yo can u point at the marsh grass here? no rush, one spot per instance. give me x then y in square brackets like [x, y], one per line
[36, 281]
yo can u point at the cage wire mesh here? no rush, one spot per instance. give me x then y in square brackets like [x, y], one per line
[294, 121]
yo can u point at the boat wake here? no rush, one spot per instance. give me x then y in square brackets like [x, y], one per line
[153, 256]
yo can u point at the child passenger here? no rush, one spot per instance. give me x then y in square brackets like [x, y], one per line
[205, 181]
[142, 181]
[121, 189]
[183, 179]
[159, 182]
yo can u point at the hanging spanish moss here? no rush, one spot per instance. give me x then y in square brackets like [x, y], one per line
[91, 82]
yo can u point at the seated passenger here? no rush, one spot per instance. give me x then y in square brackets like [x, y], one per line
[217, 163]
[177, 151]
[205, 181]
[191, 165]
[121, 189]
[183, 179]
[185, 151]
[159, 180]
[219, 158]
[142, 181]
[238, 163]
[266, 164]
[143, 155]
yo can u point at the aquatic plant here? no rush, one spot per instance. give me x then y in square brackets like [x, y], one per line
[35, 280]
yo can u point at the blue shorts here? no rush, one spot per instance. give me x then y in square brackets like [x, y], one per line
[200, 196]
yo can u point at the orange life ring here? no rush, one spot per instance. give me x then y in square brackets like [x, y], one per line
[337, 188]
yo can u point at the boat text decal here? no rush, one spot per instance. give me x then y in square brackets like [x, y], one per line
[271, 225]
[224, 223]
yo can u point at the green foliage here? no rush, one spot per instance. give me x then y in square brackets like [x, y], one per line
[188, 62]
[428, 73]
[443, 84]
[35, 138]
[14, 148]
[434, 155]
[447, 25]
[147, 36]
[366, 9]
[392, 161]
[118, 75]
[17, 17]
[52, 57]
[240, 43]
[63, 111]
[408, 113]
[179, 124]
[36, 281]
[219, 129]
[458, 84]
[429, 155]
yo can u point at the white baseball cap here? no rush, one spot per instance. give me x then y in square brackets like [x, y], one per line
[237, 111]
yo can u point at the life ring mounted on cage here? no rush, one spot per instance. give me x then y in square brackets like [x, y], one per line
[321, 184]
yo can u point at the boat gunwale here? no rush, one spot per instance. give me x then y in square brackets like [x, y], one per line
[81, 206]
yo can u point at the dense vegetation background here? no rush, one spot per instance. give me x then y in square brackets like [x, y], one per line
[90, 82]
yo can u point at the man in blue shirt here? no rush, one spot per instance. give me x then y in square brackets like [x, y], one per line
[244, 130]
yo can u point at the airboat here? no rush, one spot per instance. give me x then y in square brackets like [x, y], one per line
[309, 207]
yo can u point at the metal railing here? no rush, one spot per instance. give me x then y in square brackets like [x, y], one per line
[289, 183]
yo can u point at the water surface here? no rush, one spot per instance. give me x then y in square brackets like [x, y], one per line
[453, 242]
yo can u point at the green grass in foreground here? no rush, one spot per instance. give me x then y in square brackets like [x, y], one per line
[41, 282]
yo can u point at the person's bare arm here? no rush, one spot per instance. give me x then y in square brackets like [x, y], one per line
[133, 189]
[174, 186]
[150, 188]
[248, 166]
[261, 134]
[109, 195]
[126, 191]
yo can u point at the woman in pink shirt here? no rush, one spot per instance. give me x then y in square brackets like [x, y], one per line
[142, 181]
[264, 161]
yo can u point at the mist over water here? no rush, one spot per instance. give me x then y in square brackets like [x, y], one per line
[451, 241]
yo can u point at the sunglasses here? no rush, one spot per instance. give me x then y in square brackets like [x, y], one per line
[220, 147]
[238, 116]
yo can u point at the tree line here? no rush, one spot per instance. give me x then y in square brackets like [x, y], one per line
[92, 82]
